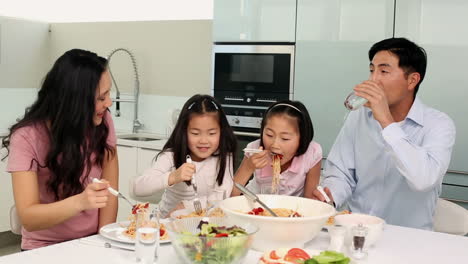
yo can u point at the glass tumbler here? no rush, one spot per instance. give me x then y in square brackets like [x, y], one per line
[147, 235]
[353, 102]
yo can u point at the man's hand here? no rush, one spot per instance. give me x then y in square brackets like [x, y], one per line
[377, 101]
[317, 195]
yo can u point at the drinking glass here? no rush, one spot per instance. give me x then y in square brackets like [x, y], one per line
[267, 189]
[215, 197]
[147, 235]
[353, 102]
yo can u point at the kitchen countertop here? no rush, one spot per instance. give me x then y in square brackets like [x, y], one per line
[156, 144]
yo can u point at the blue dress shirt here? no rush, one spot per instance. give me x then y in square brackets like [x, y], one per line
[394, 173]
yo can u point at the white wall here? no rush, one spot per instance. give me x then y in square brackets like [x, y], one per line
[24, 60]
[107, 10]
[173, 57]
[173, 60]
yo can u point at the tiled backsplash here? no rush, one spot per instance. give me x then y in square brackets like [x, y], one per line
[155, 112]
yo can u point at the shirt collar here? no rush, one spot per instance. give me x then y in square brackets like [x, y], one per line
[295, 165]
[416, 112]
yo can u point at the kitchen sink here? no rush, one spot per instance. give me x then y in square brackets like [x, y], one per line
[138, 138]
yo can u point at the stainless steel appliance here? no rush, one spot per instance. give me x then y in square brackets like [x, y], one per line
[247, 78]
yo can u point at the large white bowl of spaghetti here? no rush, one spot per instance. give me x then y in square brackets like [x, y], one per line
[279, 232]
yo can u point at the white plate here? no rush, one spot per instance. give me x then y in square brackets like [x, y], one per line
[115, 231]
[316, 252]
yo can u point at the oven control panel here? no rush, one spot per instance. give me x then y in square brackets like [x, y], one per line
[244, 121]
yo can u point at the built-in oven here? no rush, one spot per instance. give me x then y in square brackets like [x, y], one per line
[247, 79]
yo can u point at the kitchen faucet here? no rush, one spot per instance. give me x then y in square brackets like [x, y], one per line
[136, 123]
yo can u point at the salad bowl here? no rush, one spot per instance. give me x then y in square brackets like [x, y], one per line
[218, 241]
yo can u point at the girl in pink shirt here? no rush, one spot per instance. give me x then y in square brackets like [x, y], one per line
[286, 130]
[65, 139]
[203, 133]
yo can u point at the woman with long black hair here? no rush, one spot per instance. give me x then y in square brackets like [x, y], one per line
[65, 139]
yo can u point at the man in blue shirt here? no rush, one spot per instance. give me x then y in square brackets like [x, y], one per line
[390, 156]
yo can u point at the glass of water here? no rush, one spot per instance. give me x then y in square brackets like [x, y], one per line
[147, 235]
[268, 189]
[353, 102]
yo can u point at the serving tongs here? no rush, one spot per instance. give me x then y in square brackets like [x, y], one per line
[254, 198]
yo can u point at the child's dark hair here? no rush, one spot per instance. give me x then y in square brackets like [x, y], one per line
[293, 109]
[178, 142]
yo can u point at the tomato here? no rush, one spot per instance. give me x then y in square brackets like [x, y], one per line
[295, 254]
[222, 235]
[273, 255]
[162, 232]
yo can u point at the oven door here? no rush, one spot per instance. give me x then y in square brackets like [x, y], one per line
[243, 138]
[253, 68]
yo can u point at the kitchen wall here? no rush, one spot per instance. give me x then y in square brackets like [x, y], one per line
[173, 60]
[24, 58]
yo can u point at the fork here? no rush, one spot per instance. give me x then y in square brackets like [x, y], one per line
[116, 193]
[196, 202]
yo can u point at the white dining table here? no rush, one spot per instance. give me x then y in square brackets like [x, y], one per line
[397, 245]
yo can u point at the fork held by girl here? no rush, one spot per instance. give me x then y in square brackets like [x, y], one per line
[203, 132]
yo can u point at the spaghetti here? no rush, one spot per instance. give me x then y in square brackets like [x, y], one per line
[130, 231]
[276, 164]
[281, 212]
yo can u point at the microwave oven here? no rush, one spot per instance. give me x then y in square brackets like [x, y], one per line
[248, 78]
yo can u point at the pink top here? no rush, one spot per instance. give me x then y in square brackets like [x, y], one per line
[292, 180]
[31, 143]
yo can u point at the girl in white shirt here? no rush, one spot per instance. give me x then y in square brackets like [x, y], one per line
[202, 132]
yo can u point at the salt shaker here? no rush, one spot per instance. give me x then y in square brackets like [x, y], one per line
[353, 102]
[337, 236]
[358, 241]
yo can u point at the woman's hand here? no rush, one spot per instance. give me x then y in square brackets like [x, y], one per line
[183, 173]
[94, 196]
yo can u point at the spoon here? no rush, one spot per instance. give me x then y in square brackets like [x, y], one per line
[254, 198]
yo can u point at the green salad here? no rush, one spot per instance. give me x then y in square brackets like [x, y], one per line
[328, 257]
[215, 244]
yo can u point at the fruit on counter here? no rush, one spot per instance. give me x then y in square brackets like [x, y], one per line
[284, 256]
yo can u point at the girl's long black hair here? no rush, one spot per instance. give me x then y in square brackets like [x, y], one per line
[178, 141]
[65, 107]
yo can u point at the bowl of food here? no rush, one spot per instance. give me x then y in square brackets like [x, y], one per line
[300, 219]
[374, 225]
[210, 240]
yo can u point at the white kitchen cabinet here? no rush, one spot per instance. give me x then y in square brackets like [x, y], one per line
[6, 195]
[332, 41]
[145, 160]
[127, 170]
[440, 28]
[133, 161]
[254, 21]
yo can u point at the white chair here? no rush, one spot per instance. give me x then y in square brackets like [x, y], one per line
[450, 218]
[15, 223]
